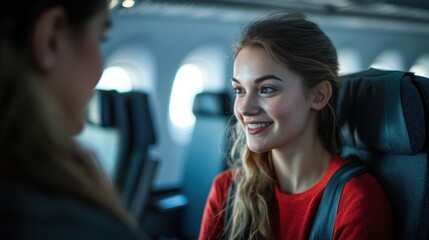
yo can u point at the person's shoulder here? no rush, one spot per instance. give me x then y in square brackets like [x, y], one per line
[364, 183]
[223, 179]
[219, 192]
[363, 205]
[365, 189]
[364, 186]
[33, 208]
[361, 183]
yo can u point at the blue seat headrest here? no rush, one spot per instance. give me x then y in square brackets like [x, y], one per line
[140, 118]
[212, 104]
[99, 111]
[381, 111]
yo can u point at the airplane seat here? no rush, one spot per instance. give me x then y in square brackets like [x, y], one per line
[99, 109]
[383, 118]
[106, 130]
[206, 155]
[205, 159]
[127, 119]
[119, 120]
[140, 168]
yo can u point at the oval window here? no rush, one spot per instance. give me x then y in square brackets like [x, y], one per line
[115, 78]
[187, 83]
[349, 61]
[389, 60]
[421, 66]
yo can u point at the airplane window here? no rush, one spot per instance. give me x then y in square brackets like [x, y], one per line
[349, 61]
[135, 66]
[388, 60]
[115, 78]
[203, 68]
[187, 83]
[421, 67]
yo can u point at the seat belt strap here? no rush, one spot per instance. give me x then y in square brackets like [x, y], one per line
[323, 225]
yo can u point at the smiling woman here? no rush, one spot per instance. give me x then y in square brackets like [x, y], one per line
[50, 62]
[279, 99]
[286, 142]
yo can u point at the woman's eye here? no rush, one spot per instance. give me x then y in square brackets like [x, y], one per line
[267, 90]
[238, 90]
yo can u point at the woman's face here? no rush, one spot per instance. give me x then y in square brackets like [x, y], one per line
[271, 104]
[78, 68]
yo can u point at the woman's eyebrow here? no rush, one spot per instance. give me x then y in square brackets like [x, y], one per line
[260, 79]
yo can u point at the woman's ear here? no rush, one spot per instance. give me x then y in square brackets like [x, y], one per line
[320, 95]
[46, 38]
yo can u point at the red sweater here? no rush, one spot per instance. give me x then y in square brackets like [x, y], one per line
[364, 211]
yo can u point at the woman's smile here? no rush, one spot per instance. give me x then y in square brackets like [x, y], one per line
[258, 127]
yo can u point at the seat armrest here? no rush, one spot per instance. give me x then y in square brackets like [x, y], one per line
[168, 203]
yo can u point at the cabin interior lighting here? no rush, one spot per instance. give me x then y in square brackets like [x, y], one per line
[128, 3]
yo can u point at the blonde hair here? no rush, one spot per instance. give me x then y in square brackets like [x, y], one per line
[252, 216]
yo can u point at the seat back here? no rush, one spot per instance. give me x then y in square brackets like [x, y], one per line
[383, 123]
[116, 117]
[106, 130]
[129, 116]
[137, 176]
[206, 157]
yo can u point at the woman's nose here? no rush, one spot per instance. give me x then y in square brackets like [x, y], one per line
[247, 105]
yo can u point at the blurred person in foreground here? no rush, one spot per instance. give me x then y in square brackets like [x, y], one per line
[50, 62]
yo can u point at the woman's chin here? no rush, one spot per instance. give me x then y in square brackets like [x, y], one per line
[257, 148]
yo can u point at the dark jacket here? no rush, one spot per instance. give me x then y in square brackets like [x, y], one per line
[27, 212]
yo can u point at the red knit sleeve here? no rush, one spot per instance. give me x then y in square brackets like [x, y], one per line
[364, 212]
[213, 219]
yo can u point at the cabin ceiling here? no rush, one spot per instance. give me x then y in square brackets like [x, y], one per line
[409, 11]
[417, 10]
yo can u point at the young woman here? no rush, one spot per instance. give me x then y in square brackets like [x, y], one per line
[50, 62]
[286, 141]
